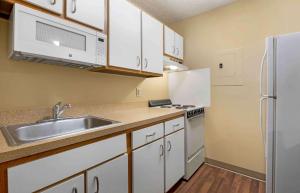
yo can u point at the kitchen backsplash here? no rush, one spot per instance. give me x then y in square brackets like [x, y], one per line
[25, 84]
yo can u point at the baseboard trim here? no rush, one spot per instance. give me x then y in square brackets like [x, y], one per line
[240, 170]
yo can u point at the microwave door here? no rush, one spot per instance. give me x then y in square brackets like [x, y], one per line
[48, 37]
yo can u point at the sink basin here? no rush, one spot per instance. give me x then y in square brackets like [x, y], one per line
[21, 134]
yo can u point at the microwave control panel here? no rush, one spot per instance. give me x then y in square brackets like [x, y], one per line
[101, 49]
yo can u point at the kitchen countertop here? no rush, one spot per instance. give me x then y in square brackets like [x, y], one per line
[130, 116]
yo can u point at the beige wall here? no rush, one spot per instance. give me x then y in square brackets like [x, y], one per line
[232, 133]
[24, 84]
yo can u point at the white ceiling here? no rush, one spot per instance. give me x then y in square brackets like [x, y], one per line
[170, 11]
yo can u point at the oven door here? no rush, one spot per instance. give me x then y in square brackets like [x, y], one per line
[39, 34]
[194, 135]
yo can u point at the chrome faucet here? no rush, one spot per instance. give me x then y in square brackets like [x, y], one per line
[59, 109]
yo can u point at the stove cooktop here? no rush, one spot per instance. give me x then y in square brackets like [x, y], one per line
[167, 103]
[191, 110]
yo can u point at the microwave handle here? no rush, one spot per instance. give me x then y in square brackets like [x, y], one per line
[74, 2]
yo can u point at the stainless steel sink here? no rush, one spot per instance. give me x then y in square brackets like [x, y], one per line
[21, 134]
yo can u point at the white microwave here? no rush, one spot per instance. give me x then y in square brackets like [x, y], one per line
[40, 37]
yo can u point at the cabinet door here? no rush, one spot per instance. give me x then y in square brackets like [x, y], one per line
[148, 168]
[51, 5]
[111, 177]
[74, 185]
[124, 35]
[174, 158]
[89, 12]
[178, 46]
[152, 38]
[169, 41]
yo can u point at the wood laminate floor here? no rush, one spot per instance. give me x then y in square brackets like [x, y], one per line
[209, 179]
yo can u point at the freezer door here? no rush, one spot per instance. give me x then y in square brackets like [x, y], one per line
[287, 139]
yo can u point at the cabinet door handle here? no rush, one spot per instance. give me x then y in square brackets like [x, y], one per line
[74, 190]
[146, 62]
[170, 145]
[162, 150]
[174, 49]
[176, 125]
[53, 2]
[138, 61]
[74, 6]
[96, 179]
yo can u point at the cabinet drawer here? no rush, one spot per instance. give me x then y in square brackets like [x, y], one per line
[46, 171]
[144, 136]
[174, 125]
[55, 6]
[74, 185]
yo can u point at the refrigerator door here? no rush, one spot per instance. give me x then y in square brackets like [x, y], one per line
[190, 87]
[287, 138]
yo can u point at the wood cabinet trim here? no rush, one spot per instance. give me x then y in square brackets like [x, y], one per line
[176, 59]
[124, 71]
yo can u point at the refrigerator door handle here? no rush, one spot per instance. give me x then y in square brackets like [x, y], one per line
[263, 62]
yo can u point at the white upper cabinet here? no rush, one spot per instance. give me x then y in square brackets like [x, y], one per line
[111, 177]
[55, 6]
[174, 158]
[124, 35]
[178, 46]
[173, 43]
[169, 37]
[152, 44]
[89, 12]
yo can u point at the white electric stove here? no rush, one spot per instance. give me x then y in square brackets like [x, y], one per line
[194, 133]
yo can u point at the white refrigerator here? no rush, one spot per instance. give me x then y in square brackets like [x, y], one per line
[282, 98]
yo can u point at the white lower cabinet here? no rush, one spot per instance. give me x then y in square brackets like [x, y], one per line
[174, 156]
[148, 168]
[111, 177]
[74, 185]
[159, 165]
[56, 168]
